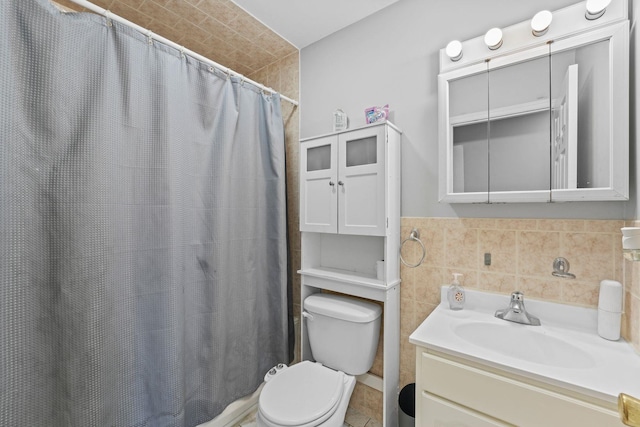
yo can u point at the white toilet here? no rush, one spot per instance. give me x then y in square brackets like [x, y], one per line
[343, 333]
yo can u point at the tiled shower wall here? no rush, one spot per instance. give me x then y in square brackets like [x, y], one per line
[217, 29]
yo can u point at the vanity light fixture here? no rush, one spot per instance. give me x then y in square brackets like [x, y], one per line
[493, 38]
[596, 8]
[454, 50]
[541, 22]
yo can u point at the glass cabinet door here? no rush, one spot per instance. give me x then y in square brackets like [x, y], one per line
[319, 158]
[361, 189]
[318, 185]
[363, 151]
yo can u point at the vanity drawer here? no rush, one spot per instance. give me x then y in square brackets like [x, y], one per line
[506, 399]
[443, 413]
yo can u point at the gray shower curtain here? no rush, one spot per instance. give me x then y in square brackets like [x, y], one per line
[143, 248]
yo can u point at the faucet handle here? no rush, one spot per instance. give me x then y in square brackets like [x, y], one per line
[517, 296]
[517, 302]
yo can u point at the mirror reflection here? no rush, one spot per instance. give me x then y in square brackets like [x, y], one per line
[580, 117]
[519, 126]
[469, 121]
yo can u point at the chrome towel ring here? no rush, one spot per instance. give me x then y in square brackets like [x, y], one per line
[415, 236]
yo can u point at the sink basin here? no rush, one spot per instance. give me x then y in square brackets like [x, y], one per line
[525, 343]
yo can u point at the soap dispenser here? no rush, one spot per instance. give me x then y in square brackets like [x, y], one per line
[455, 294]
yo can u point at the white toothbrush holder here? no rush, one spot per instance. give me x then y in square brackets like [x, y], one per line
[610, 309]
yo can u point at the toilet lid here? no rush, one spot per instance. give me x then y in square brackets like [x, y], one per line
[301, 394]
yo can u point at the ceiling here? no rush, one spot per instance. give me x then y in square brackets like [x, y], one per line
[304, 22]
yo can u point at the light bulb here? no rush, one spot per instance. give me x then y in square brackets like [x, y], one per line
[596, 8]
[493, 38]
[454, 50]
[541, 22]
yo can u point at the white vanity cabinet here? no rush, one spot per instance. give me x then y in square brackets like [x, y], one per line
[350, 224]
[343, 180]
[452, 391]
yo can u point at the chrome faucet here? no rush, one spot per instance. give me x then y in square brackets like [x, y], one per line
[516, 311]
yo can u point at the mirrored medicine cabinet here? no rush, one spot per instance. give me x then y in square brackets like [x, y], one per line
[541, 119]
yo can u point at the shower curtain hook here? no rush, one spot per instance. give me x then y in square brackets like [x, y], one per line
[108, 18]
[228, 74]
[149, 37]
[182, 54]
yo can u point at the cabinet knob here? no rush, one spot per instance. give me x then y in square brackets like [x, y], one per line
[331, 183]
[340, 183]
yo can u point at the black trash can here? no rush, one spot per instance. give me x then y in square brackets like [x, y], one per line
[407, 406]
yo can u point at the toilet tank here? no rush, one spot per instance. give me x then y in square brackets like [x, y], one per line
[343, 331]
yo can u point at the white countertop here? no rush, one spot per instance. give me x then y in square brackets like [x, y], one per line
[607, 368]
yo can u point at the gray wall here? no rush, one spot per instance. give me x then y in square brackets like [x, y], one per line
[392, 57]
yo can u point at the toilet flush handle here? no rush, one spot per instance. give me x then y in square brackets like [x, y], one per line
[307, 315]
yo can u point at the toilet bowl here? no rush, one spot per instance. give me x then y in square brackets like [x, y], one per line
[305, 395]
[343, 335]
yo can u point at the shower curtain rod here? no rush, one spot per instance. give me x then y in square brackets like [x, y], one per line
[108, 15]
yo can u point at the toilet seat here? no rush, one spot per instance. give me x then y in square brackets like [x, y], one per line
[305, 394]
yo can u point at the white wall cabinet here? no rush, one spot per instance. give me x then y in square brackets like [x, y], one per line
[456, 392]
[350, 220]
[561, 136]
[342, 181]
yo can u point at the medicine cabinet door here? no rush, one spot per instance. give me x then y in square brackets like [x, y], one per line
[361, 182]
[590, 108]
[464, 146]
[318, 185]
[519, 127]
